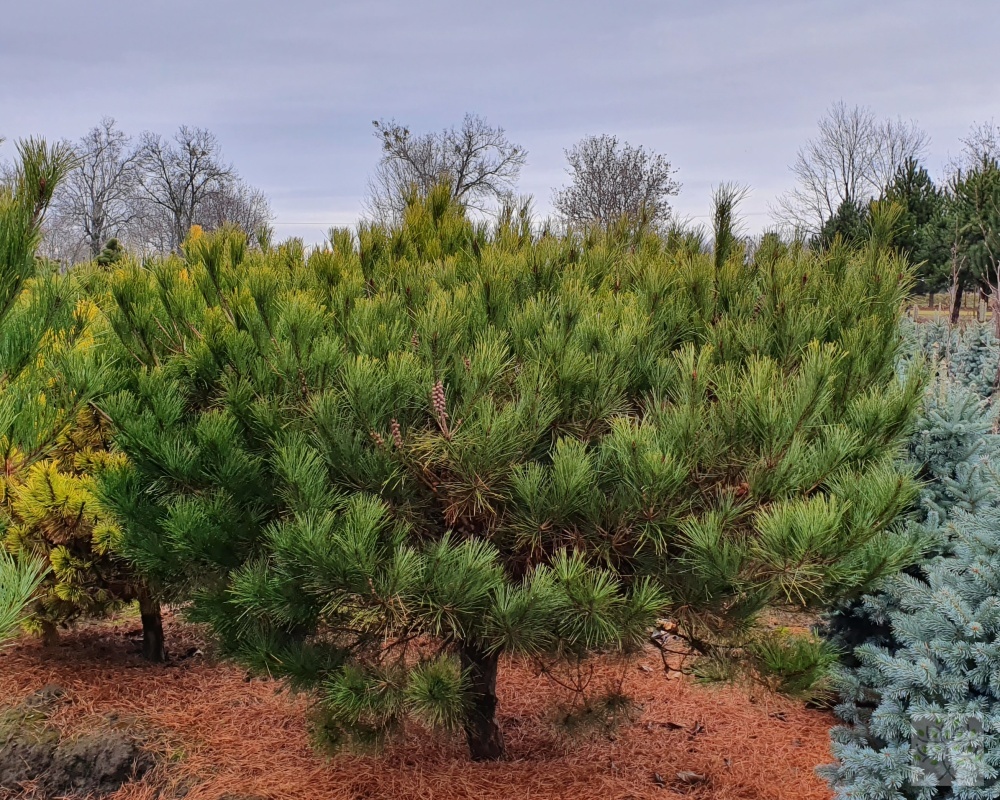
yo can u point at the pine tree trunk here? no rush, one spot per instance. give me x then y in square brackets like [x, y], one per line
[481, 729]
[956, 308]
[152, 629]
[50, 633]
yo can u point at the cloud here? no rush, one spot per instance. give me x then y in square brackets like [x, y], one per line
[727, 90]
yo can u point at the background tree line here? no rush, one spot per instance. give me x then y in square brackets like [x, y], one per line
[146, 192]
[950, 227]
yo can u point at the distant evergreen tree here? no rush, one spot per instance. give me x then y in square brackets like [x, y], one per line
[112, 253]
[923, 233]
[849, 225]
[379, 468]
[975, 205]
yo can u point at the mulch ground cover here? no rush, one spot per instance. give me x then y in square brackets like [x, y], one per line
[218, 735]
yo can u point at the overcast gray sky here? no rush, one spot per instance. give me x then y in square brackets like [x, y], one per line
[727, 90]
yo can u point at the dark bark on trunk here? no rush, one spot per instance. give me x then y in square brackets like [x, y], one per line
[481, 729]
[152, 630]
[956, 308]
[50, 633]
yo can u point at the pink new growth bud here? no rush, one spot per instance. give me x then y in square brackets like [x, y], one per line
[439, 404]
[397, 434]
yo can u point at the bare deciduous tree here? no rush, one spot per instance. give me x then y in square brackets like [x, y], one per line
[179, 176]
[981, 146]
[97, 200]
[477, 160]
[146, 196]
[236, 203]
[852, 160]
[612, 181]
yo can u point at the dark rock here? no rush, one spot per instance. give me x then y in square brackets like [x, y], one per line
[22, 761]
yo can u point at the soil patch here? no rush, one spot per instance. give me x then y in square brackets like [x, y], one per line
[37, 759]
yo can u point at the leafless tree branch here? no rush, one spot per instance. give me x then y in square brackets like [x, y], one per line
[179, 176]
[611, 181]
[477, 160]
[853, 159]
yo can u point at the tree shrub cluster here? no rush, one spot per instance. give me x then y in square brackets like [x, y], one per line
[949, 228]
[378, 468]
[146, 191]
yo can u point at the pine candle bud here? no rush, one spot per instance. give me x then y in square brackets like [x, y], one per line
[438, 401]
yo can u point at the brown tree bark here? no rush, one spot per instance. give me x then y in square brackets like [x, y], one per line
[482, 732]
[152, 629]
[50, 633]
[956, 308]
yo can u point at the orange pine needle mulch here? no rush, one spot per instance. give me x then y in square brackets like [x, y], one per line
[220, 735]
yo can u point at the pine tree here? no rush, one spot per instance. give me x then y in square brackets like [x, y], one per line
[379, 468]
[52, 511]
[36, 304]
[923, 233]
[849, 224]
[31, 303]
[51, 439]
[19, 578]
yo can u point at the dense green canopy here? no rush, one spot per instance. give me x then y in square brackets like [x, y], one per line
[378, 467]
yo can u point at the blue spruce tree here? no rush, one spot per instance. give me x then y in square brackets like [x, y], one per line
[924, 717]
[969, 354]
[921, 694]
[954, 453]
